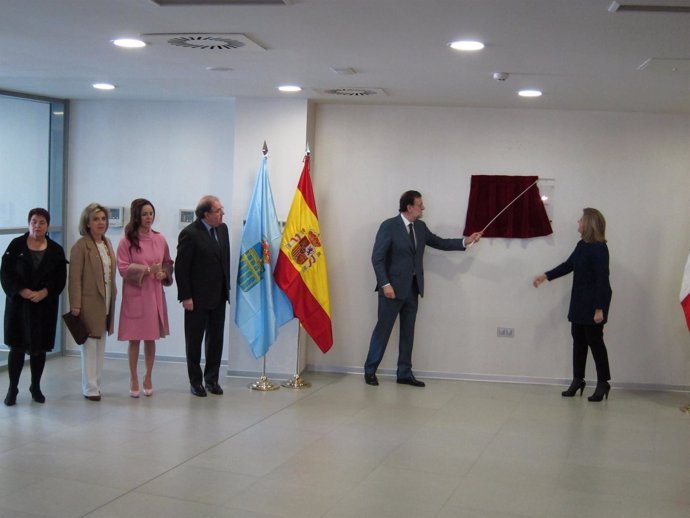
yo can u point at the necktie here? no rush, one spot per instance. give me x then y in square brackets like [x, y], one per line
[212, 230]
[414, 246]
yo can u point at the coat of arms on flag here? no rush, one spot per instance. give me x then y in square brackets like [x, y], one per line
[252, 266]
[304, 248]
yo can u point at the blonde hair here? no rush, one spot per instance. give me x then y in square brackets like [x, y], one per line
[593, 226]
[90, 210]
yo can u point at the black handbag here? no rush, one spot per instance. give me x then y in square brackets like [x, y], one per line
[76, 328]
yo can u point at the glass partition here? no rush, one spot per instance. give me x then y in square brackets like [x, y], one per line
[32, 164]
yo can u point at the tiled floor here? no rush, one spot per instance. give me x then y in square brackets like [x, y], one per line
[339, 449]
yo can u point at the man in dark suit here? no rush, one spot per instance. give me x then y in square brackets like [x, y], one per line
[398, 263]
[202, 272]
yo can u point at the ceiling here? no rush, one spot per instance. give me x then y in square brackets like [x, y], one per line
[581, 55]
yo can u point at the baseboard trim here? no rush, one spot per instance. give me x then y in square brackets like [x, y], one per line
[501, 378]
[459, 376]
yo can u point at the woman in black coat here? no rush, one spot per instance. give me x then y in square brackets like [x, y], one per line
[33, 275]
[589, 302]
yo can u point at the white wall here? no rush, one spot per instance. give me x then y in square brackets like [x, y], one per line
[171, 153]
[174, 153]
[635, 168]
[283, 126]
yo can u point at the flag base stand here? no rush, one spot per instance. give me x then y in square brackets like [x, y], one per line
[296, 382]
[263, 384]
[685, 409]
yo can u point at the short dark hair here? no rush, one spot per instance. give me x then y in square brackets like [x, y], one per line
[38, 211]
[205, 205]
[408, 198]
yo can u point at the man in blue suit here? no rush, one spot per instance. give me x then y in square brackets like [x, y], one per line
[398, 258]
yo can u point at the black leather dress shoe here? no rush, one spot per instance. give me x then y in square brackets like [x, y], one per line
[214, 388]
[371, 379]
[411, 380]
[197, 390]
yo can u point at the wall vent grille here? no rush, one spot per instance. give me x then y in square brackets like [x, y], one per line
[627, 7]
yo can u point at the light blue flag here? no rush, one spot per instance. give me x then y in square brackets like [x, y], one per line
[261, 306]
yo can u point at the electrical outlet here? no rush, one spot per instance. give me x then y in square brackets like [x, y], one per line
[505, 332]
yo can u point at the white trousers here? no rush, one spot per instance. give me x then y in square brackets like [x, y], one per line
[92, 354]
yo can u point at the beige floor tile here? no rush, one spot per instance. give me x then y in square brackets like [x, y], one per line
[59, 497]
[138, 504]
[201, 485]
[340, 449]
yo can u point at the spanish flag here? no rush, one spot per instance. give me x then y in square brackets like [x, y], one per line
[684, 292]
[301, 269]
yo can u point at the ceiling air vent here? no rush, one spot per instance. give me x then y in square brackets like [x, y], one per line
[667, 66]
[355, 92]
[164, 3]
[650, 7]
[204, 41]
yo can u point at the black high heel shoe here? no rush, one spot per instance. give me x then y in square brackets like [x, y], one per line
[11, 397]
[601, 392]
[36, 394]
[575, 385]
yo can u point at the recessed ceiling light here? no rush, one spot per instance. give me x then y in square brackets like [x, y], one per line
[529, 93]
[129, 43]
[466, 45]
[103, 86]
[290, 88]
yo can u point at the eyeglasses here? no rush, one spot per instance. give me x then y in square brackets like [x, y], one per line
[218, 210]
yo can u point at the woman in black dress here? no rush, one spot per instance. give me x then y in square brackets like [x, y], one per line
[589, 302]
[33, 274]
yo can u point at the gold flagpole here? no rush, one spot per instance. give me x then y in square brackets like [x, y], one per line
[297, 382]
[264, 384]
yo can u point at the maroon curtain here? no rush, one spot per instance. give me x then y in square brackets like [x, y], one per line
[490, 194]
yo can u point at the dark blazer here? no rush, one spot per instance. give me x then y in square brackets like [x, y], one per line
[396, 262]
[30, 325]
[202, 266]
[591, 290]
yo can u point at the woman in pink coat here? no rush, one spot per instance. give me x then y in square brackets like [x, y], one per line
[144, 262]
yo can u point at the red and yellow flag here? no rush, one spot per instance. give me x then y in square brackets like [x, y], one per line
[301, 269]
